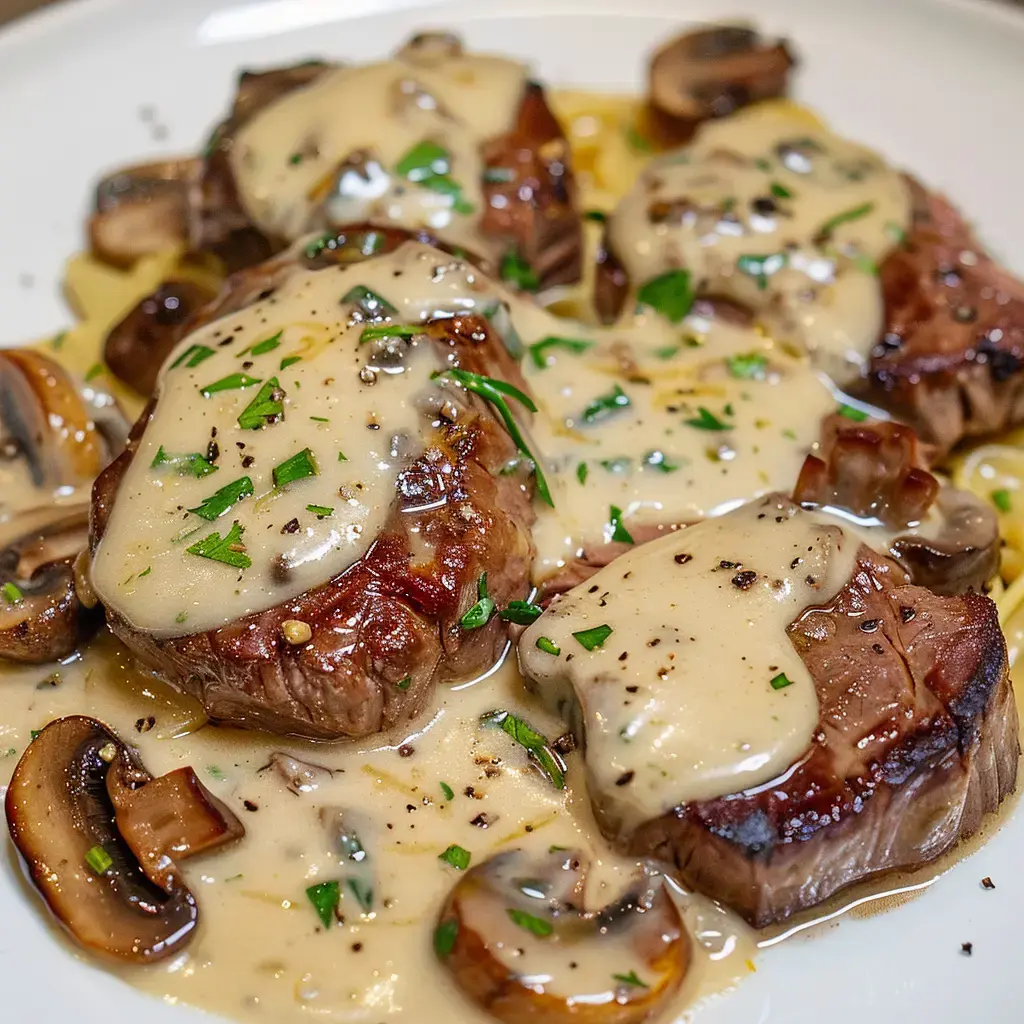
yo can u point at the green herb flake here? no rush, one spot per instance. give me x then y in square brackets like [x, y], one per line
[597, 216]
[637, 142]
[537, 747]
[445, 935]
[707, 420]
[12, 594]
[232, 382]
[671, 294]
[781, 681]
[94, 371]
[593, 639]
[325, 897]
[373, 305]
[183, 463]
[457, 856]
[427, 164]
[363, 893]
[1002, 500]
[827, 229]
[342, 457]
[266, 408]
[193, 356]
[146, 571]
[99, 860]
[751, 366]
[261, 348]
[404, 684]
[215, 773]
[449, 793]
[619, 532]
[57, 341]
[657, 459]
[780, 191]
[630, 979]
[582, 472]
[181, 616]
[297, 467]
[895, 232]
[606, 405]
[228, 549]
[761, 268]
[499, 175]
[389, 331]
[494, 391]
[851, 412]
[289, 361]
[522, 613]
[480, 614]
[535, 925]
[539, 349]
[295, 159]
[223, 500]
[517, 271]
[548, 646]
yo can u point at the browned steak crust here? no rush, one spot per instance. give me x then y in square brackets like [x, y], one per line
[918, 740]
[386, 630]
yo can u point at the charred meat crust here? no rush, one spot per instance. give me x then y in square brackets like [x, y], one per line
[387, 629]
[951, 357]
[918, 741]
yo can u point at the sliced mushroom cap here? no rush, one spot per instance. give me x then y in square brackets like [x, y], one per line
[100, 845]
[518, 942]
[43, 617]
[143, 209]
[429, 49]
[710, 73]
[136, 347]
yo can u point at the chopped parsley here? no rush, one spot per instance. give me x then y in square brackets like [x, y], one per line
[232, 382]
[94, 371]
[445, 935]
[522, 613]
[548, 646]
[606, 405]
[671, 294]
[780, 191]
[362, 891]
[99, 860]
[657, 459]
[827, 229]
[325, 897]
[582, 472]
[457, 856]
[183, 463]
[630, 979]
[637, 142]
[538, 350]
[373, 305]
[289, 361]
[851, 412]
[449, 793]
[389, 331]
[517, 271]
[266, 408]
[760, 268]
[480, 614]
[320, 511]
[537, 747]
[342, 457]
[12, 594]
[781, 681]
[619, 532]
[226, 498]
[536, 925]
[598, 216]
[404, 684]
[193, 356]
[1001, 499]
[895, 232]
[494, 391]
[707, 420]
[230, 550]
[751, 366]
[261, 348]
[297, 467]
[499, 175]
[592, 639]
[427, 164]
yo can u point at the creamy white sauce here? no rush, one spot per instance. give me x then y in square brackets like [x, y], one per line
[287, 157]
[816, 213]
[695, 690]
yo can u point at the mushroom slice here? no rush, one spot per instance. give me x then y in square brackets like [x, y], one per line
[137, 347]
[141, 210]
[299, 776]
[517, 941]
[75, 827]
[42, 615]
[710, 73]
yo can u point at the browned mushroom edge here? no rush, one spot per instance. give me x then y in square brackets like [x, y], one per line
[710, 73]
[101, 839]
[517, 941]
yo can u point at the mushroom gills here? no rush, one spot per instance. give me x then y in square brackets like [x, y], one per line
[101, 850]
[517, 940]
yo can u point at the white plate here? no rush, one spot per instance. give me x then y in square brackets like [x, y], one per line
[937, 85]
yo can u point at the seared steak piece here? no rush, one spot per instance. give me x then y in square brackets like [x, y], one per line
[918, 741]
[878, 472]
[387, 628]
[951, 356]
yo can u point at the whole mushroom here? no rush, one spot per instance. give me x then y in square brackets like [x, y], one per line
[516, 938]
[102, 839]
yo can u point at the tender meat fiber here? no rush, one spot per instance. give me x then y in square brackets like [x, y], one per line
[387, 629]
[951, 357]
[918, 741]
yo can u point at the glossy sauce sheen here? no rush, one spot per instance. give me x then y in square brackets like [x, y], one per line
[287, 156]
[818, 211]
[696, 691]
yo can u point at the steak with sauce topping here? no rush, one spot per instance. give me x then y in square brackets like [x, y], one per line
[918, 741]
[386, 629]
